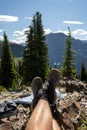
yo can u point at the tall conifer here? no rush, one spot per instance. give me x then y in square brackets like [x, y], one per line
[68, 66]
[8, 72]
[35, 58]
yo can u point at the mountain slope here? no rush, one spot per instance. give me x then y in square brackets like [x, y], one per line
[17, 50]
[56, 43]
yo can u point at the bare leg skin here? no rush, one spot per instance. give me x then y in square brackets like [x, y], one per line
[41, 118]
[55, 125]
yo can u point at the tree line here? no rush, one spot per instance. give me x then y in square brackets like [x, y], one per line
[35, 60]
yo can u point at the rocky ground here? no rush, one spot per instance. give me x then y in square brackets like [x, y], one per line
[71, 112]
[18, 121]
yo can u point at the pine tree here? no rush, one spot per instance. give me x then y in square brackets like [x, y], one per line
[28, 57]
[8, 72]
[68, 67]
[35, 58]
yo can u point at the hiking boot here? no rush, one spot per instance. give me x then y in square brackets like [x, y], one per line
[46, 91]
[36, 84]
[54, 77]
[51, 83]
[37, 88]
[39, 92]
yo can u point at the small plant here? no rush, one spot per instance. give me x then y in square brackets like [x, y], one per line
[83, 123]
[59, 86]
[2, 89]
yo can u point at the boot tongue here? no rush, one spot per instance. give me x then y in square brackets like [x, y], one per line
[51, 92]
[50, 83]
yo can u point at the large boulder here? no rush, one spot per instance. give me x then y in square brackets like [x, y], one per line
[73, 85]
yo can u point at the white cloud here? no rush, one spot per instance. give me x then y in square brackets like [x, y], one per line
[72, 22]
[1, 38]
[79, 32]
[85, 38]
[18, 33]
[1, 30]
[25, 30]
[29, 18]
[20, 40]
[21, 37]
[47, 31]
[74, 33]
[61, 31]
[7, 18]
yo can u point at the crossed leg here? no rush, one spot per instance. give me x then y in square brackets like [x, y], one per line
[41, 118]
[55, 125]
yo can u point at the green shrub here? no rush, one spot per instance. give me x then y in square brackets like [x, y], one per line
[2, 89]
[82, 123]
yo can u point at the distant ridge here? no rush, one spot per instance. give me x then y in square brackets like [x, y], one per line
[55, 42]
[17, 50]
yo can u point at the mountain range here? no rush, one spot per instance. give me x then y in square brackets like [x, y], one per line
[55, 42]
[17, 49]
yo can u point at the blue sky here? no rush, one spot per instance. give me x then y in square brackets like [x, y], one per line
[57, 15]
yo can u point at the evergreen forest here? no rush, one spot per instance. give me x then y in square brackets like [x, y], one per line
[35, 60]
